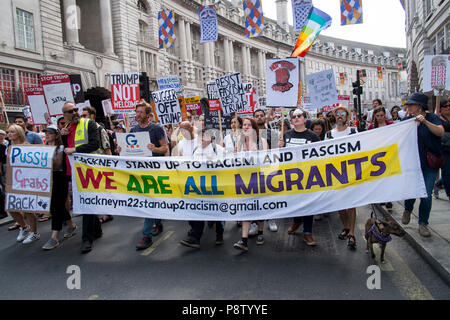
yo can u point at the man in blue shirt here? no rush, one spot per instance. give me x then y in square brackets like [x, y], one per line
[32, 137]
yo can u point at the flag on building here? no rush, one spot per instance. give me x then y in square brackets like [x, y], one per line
[351, 12]
[362, 76]
[208, 24]
[380, 73]
[166, 22]
[342, 77]
[317, 21]
[401, 65]
[254, 20]
[300, 11]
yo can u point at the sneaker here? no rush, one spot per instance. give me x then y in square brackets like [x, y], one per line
[86, 247]
[293, 227]
[423, 230]
[219, 239]
[308, 238]
[191, 242]
[389, 205]
[260, 240]
[436, 192]
[157, 229]
[32, 237]
[240, 245]
[145, 243]
[406, 216]
[71, 231]
[272, 225]
[50, 244]
[253, 229]
[317, 217]
[23, 233]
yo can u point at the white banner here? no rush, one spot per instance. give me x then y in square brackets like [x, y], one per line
[370, 167]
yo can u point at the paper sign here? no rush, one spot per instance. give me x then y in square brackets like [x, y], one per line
[37, 103]
[213, 96]
[27, 203]
[436, 73]
[282, 82]
[125, 93]
[167, 106]
[231, 93]
[134, 144]
[170, 82]
[322, 88]
[193, 103]
[30, 179]
[57, 91]
[107, 107]
[77, 87]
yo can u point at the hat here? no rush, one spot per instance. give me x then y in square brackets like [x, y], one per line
[2, 132]
[419, 99]
[52, 129]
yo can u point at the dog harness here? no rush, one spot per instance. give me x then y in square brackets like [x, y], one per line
[379, 237]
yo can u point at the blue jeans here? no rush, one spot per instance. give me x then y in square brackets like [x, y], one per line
[307, 223]
[429, 175]
[147, 231]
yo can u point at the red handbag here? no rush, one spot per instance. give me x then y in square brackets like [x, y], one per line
[435, 162]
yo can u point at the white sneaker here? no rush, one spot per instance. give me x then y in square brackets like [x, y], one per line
[253, 229]
[32, 237]
[272, 225]
[23, 233]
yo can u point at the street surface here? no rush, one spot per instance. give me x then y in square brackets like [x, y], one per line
[284, 268]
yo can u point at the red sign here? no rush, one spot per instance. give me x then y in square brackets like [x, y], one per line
[125, 93]
[214, 105]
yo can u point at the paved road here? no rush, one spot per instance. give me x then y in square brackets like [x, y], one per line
[283, 268]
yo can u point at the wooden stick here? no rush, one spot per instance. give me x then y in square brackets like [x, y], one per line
[282, 122]
[220, 128]
[438, 106]
[127, 121]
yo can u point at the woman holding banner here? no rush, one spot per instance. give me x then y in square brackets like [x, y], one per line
[60, 190]
[250, 141]
[27, 234]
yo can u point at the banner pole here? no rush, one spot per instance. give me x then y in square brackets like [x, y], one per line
[127, 121]
[220, 127]
[438, 105]
[282, 122]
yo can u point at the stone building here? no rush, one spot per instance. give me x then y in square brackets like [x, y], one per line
[97, 37]
[427, 32]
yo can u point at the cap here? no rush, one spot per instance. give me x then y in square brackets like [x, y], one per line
[52, 129]
[2, 132]
[419, 99]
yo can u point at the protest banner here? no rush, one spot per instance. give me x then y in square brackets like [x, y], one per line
[57, 91]
[252, 99]
[134, 144]
[436, 74]
[77, 88]
[125, 93]
[322, 88]
[231, 93]
[37, 104]
[370, 167]
[282, 82]
[193, 103]
[213, 96]
[167, 107]
[29, 178]
[170, 82]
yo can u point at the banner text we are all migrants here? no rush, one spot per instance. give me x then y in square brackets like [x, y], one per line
[371, 167]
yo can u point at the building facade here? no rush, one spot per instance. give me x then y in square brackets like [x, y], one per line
[97, 37]
[427, 32]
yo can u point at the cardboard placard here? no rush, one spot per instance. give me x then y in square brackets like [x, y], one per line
[231, 93]
[322, 88]
[436, 73]
[134, 144]
[167, 107]
[29, 178]
[125, 94]
[77, 88]
[57, 91]
[282, 82]
[193, 103]
[170, 82]
[38, 106]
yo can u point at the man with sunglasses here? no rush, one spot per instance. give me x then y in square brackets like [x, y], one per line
[348, 216]
[80, 135]
[300, 135]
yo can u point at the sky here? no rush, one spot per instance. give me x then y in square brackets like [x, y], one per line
[383, 21]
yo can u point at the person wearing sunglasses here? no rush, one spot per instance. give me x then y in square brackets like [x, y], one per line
[348, 216]
[444, 113]
[300, 135]
[80, 135]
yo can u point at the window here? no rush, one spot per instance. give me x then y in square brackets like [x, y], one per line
[142, 6]
[25, 30]
[26, 80]
[8, 86]
[434, 46]
[440, 42]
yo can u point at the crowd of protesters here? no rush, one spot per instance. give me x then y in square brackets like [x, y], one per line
[78, 132]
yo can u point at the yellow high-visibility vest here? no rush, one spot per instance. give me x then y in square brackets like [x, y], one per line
[81, 132]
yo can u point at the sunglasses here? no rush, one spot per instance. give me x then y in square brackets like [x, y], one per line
[71, 110]
[446, 106]
[342, 114]
[297, 116]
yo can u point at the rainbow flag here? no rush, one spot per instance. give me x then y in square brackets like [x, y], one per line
[317, 21]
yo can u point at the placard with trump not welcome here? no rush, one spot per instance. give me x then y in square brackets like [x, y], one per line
[125, 94]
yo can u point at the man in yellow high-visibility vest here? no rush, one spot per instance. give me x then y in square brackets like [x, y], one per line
[82, 136]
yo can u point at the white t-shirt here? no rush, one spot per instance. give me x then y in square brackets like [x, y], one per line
[209, 152]
[186, 147]
[336, 134]
[229, 143]
[370, 115]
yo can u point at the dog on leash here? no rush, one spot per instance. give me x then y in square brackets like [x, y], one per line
[379, 231]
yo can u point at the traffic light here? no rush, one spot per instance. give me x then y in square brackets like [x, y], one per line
[144, 86]
[358, 90]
